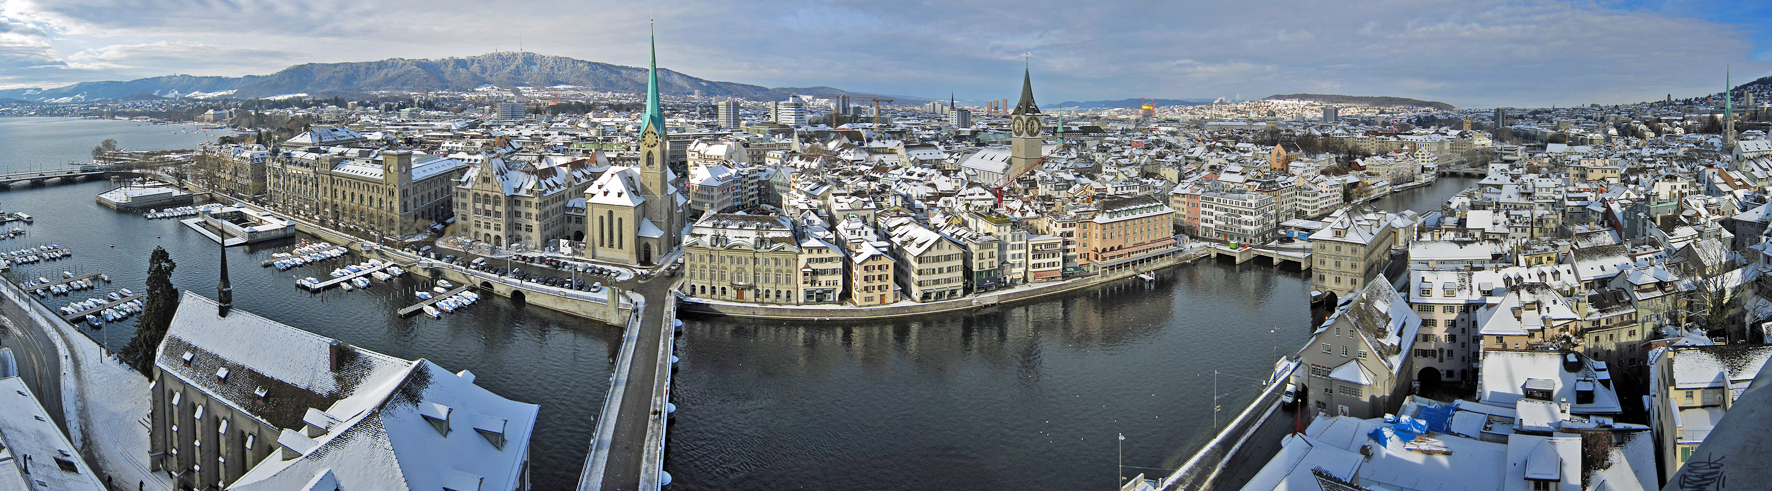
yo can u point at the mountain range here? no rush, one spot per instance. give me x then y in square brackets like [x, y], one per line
[1379, 101]
[1129, 103]
[502, 69]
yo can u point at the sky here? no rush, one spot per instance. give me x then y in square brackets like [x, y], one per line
[1470, 53]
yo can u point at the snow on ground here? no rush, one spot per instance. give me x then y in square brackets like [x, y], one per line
[111, 402]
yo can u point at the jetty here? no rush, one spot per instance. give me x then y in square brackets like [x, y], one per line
[408, 311]
[64, 281]
[77, 316]
[335, 281]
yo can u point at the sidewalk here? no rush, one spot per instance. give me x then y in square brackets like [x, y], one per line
[110, 401]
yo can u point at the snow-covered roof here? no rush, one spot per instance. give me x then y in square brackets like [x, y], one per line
[619, 186]
[26, 430]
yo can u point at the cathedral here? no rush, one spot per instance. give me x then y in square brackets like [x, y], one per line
[633, 215]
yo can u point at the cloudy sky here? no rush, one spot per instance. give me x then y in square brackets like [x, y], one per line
[1471, 53]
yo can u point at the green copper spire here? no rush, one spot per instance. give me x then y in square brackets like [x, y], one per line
[1728, 98]
[653, 117]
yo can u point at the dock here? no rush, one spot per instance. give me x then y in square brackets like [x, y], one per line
[408, 311]
[53, 284]
[335, 281]
[79, 316]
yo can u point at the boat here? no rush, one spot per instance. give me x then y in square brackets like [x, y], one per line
[360, 281]
[444, 284]
[94, 321]
[424, 295]
[1148, 276]
[439, 289]
[127, 292]
[432, 311]
[26, 218]
[346, 285]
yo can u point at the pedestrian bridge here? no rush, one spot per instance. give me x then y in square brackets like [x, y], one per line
[1296, 252]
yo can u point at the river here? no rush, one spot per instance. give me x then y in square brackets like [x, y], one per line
[1029, 396]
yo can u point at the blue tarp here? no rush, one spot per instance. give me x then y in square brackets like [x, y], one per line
[1405, 429]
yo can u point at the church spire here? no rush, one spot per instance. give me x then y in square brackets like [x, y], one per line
[224, 290]
[1026, 106]
[654, 118]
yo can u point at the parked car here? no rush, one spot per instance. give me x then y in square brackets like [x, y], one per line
[1291, 394]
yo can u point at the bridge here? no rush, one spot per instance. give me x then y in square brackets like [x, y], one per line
[627, 452]
[1462, 172]
[1296, 252]
[66, 176]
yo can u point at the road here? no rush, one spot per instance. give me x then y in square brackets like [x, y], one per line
[628, 443]
[1263, 444]
[38, 363]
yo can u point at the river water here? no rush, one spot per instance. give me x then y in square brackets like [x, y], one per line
[1029, 396]
[527, 354]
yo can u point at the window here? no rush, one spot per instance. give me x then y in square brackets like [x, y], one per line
[1344, 352]
[1431, 323]
[1424, 308]
[1326, 351]
[1449, 309]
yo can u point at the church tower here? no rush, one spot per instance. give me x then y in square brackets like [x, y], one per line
[1728, 113]
[1026, 142]
[661, 207]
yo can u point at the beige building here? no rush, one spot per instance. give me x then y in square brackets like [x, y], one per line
[931, 267]
[1692, 388]
[871, 274]
[519, 204]
[393, 193]
[743, 258]
[1358, 364]
[1350, 251]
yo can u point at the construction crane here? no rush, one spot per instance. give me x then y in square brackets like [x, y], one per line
[877, 102]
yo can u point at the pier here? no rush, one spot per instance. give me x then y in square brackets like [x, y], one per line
[53, 284]
[335, 281]
[78, 316]
[408, 311]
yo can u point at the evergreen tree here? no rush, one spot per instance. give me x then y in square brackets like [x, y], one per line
[156, 315]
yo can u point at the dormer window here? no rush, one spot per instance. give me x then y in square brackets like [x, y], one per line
[187, 357]
[221, 374]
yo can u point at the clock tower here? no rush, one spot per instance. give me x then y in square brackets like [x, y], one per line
[661, 200]
[1025, 147]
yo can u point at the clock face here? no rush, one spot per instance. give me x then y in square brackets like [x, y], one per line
[650, 139]
[1020, 126]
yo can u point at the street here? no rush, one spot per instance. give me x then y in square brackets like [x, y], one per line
[38, 363]
[628, 443]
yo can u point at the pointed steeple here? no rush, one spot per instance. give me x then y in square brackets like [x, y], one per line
[1026, 106]
[654, 118]
[224, 291]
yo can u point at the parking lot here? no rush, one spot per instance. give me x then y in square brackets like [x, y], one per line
[536, 268]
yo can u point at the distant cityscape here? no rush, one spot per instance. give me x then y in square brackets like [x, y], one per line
[1586, 314]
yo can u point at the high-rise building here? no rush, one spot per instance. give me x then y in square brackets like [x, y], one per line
[511, 111]
[728, 114]
[842, 111]
[792, 112]
[1500, 118]
[960, 118]
[1331, 114]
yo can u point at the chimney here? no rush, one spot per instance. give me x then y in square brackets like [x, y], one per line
[224, 292]
[336, 352]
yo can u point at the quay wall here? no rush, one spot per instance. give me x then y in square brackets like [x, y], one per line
[691, 305]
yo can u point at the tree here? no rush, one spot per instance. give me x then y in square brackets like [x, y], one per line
[157, 313]
[1715, 301]
[1309, 143]
[103, 151]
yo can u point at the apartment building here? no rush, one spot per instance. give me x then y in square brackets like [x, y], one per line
[1350, 251]
[1357, 363]
[1237, 216]
[821, 268]
[1692, 385]
[930, 266]
[1122, 232]
[872, 276]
